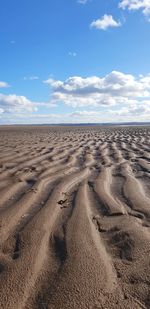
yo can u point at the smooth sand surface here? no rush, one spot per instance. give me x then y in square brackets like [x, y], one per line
[74, 217]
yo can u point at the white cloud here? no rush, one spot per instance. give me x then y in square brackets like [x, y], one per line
[4, 85]
[53, 83]
[143, 5]
[114, 88]
[105, 22]
[45, 104]
[85, 116]
[31, 78]
[36, 116]
[75, 117]
[16, 104]
[124, 114]
[13, 103]
[138, 112]
[1, 111]
[113, 97]
[82, 1]
[30, 118]
[84, 113]
[73, 54]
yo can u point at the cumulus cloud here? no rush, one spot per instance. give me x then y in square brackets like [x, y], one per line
[114, 88]
[4, 85]
[105, 22]
[15, 104]
[143, 5]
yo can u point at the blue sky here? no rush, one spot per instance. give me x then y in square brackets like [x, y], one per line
[74, 61]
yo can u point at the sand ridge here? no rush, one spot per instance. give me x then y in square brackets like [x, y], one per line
[74, 217]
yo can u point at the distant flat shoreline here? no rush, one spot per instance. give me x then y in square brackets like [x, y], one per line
[112, 124]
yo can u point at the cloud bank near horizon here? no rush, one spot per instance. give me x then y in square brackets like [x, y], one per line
[113, 97]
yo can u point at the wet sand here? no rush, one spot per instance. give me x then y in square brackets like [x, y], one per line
[74, 217]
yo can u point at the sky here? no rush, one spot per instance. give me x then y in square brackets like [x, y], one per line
[74, 61]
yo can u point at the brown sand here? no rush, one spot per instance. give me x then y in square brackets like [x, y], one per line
[74, 217]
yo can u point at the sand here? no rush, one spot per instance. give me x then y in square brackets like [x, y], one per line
[74, 217]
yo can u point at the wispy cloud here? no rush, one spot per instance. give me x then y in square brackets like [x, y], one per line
[82, 1]
[105, 22]
[31, 78]
[4, 85]
[72, 54]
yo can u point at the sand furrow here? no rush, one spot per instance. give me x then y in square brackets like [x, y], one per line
[39, 229]
[87, 263]
[25, 208]
[12, 192]
[103, 188]
[134, 192]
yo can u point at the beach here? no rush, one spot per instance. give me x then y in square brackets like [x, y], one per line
[74, 217]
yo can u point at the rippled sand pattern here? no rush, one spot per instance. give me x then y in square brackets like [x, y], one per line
[74, 217]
